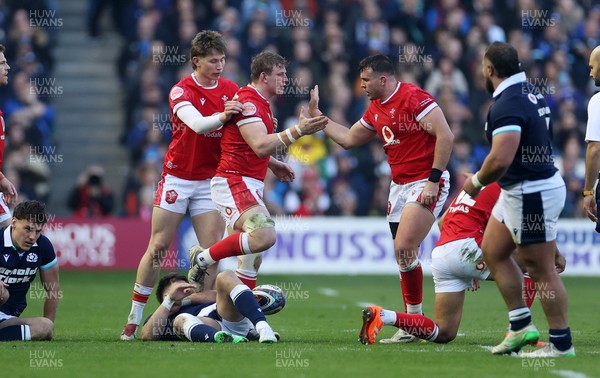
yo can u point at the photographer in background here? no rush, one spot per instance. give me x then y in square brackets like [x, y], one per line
[90, 199]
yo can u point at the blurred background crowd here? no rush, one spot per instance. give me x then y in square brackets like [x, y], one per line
[438, 45]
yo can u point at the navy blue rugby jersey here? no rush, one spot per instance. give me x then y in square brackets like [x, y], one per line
[19, 268]
[519, 107]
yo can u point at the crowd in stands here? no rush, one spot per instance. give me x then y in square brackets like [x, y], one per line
[438, 45]
[26, 100]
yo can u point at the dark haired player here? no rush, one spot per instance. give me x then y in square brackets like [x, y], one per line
[224, 316]
[418, 143]
[25, 251]
[532, 198]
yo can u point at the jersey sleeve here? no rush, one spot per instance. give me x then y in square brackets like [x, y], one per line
[421, 103]
[504, 118]
[250, 113]
[592, 133]
[179, 96]
[367, 119]
[48, 255]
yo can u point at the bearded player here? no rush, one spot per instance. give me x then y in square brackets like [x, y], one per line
[8, 193]
[418, 143]
[248, 141]
[200, 104]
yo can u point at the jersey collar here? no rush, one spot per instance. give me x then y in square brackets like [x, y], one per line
[200, 85]
[257, 91]
[393, 93]
[511, 80]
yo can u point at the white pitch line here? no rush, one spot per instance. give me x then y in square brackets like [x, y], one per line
[569, 374]
[328, 292]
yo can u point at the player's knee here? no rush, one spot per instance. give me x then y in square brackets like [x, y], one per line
[445, 336]
[261, 229]
[262, 239]
[42, 329]
[226, 280]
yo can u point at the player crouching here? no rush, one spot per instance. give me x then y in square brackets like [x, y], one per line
[225, 315]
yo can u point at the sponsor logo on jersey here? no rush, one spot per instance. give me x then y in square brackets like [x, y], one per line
[202, 101]
[6, 258]
[32, 257]
[249, 109]
[171, 196]
[532, 98]
[176, 92]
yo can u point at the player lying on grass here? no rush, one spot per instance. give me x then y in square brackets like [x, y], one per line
[457, 265]
[225, 315]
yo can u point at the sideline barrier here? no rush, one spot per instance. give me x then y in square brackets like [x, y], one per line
[320, 245]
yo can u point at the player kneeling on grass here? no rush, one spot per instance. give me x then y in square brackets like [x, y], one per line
[225, 315]
[457, 265]
[25, 251]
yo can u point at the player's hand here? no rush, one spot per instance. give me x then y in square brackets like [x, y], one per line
[469, 187]
[180, 290]
[589, 206]
[231, 108]
[311, 125]
[560, 262]
[313, 104]
[9, 191]
[4, 294]
[475, 286]
[430, 193]
[283, 171]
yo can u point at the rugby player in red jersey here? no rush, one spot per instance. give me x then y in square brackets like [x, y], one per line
[8, 193]
[457, 265]
[418, 143]
[249, 139]
[200, 104]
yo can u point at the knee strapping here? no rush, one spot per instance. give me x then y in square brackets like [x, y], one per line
[257, 221]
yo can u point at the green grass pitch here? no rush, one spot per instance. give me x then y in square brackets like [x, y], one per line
[319, 329]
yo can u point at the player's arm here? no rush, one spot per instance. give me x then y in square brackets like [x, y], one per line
[281, 170]
[346, 137]
[592, 167]
[50, 281]
[435, 124]
[8, 189]
[155, 326]
[504, 148]
[201, 298]
[200, 124]
[263, 144]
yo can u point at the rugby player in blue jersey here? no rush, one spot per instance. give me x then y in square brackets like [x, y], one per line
[532, 198]
[225, 315]
[25, 251]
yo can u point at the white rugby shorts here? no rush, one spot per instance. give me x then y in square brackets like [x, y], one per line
[401, 194]
[178, 195]
[233, 196]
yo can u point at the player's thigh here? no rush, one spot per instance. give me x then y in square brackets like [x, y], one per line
[447, 314]
[227, 281]
[209, 227]
[164, 228]
[415, 223]
[497, 241]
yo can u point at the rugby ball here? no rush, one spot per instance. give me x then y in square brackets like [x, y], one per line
[271, 298]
